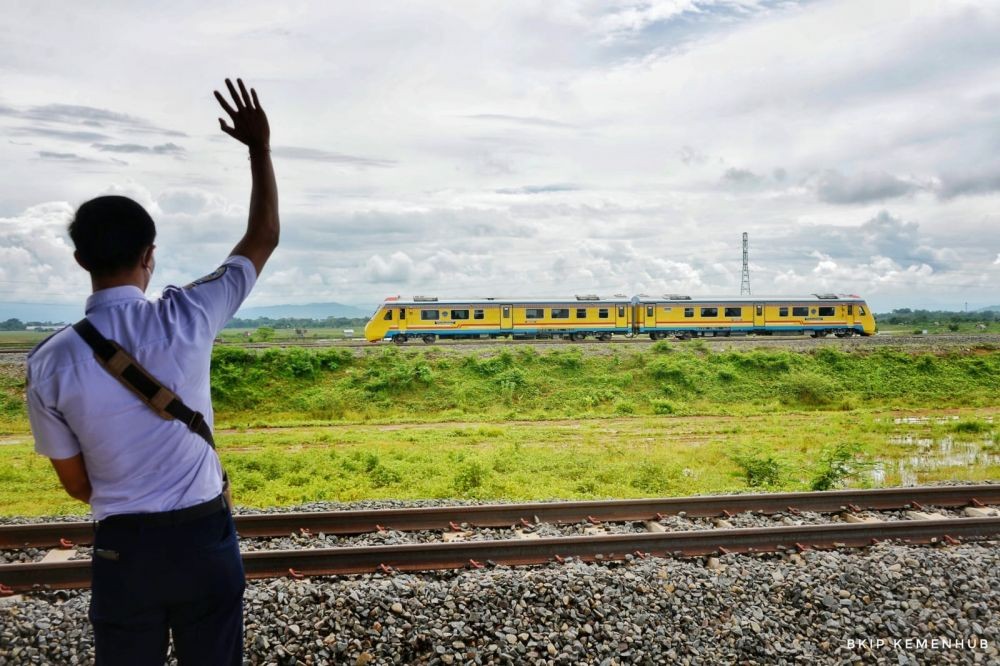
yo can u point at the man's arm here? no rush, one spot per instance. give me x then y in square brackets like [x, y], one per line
[72, 474]
[250, 127]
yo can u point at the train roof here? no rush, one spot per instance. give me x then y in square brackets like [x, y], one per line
[431, 302]
[812, 298]
[579, 301]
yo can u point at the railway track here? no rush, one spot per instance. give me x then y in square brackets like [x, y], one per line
[529, 548]
[639, 341]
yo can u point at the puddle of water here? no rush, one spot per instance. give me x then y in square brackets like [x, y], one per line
[917, 420]
[927, 454]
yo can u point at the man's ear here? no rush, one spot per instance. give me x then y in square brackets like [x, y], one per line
[76, 255]
[147, 256]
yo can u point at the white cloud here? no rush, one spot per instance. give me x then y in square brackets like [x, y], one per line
[528, 148]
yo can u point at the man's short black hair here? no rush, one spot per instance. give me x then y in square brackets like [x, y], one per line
[110, 234]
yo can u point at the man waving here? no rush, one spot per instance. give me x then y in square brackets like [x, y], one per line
[166, 559]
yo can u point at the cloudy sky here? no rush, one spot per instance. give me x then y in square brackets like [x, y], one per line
[520, 148]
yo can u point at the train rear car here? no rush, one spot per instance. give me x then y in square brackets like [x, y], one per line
[818, 315]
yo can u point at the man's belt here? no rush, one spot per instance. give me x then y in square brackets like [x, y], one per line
[166, 518]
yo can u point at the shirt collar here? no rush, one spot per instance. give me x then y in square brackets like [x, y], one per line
[106, 297]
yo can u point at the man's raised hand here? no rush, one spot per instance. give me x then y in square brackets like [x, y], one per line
[249, 121]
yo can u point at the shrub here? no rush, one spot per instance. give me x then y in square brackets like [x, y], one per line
[759, 468]
[661, 406]
[836, 464]
[623, 406]
[651, 478]
[973, 427]
[953, 327]
[470, 476]
[381, 476]
[571, 359]
[661, 347]
[666, 371]
[249, 482]
[806, 388]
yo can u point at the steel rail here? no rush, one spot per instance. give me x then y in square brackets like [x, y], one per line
[16, 578]
[345, 523]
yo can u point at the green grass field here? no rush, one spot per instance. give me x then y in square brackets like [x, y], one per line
[298, 425]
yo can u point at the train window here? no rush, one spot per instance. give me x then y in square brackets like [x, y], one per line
[478, 314]
[388, 315]
[459, 314]
[560, 313]
[800, 312]
[861, 310]
[782, 312]
[621, 310]
[602, 313]
[734, 312]
[649, 310]
[827, 311]
[710, 312]
[402, 313]
[688, 312]
[850, 309]
[444, 314]
[506, 311]
[534, 313]
[581, 313]
[429, 315]
[760, 310]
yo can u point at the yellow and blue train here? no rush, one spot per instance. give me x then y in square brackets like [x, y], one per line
[430, 318]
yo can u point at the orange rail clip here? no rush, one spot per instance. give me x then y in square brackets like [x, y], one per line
[5, 591]
[294, 574]
[65, 543]
[475, 565]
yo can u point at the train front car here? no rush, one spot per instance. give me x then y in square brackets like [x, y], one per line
[430, 318]
[689, 317]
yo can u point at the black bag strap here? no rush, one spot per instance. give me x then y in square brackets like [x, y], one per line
[135, 378]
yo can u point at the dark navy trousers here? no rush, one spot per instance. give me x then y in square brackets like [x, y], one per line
[153, 581]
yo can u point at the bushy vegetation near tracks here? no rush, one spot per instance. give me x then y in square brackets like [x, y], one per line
[300, 425]
[390, 384]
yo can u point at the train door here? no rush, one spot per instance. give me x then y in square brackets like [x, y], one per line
[402, 319]
[506, 320]
[758, 315]
[621, 320]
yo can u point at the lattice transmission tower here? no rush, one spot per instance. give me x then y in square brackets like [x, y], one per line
[745, 284]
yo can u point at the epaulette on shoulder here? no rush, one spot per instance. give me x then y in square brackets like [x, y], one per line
[214, 275]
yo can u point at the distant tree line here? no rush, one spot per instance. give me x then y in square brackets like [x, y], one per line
[291, 322]
[908, 316]
[18, 325]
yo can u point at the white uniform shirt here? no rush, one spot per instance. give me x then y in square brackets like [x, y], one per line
[137, 462]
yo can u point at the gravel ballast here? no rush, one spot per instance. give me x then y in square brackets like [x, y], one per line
[912, 605]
